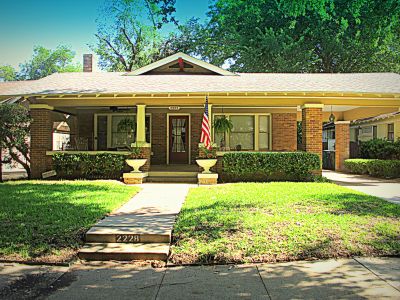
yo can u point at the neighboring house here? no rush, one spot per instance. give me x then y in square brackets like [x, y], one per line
[385, 126]
[160, 106]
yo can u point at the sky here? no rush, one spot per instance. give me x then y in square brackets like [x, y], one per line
[49, 23]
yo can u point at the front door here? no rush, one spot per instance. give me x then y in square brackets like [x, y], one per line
[178, 139]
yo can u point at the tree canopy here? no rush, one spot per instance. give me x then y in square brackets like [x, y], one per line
[128, 34]
[300, 35]
[44, 62]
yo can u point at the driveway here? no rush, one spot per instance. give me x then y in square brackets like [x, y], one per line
[358, 278]
[388, 189]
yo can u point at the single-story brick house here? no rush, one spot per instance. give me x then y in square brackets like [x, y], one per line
[165, 102]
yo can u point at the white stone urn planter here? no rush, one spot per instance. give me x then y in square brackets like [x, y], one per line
[206, 164]
[136, 164]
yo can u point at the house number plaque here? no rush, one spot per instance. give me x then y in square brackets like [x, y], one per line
[128, 238]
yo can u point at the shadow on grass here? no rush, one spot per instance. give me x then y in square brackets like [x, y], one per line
[43, 218]
[221, 221]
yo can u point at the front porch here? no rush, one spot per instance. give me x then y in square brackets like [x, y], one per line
[169, 135]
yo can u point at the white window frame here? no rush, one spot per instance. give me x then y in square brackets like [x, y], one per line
[256, 128]
[109, 126]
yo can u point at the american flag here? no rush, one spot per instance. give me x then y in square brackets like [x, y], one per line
[205, 137]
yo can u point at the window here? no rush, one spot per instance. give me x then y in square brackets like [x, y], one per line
[123, 130]
[118, 130]
[241, 136]
[263, 133]
[390, 132]
[375, 132]
[246, 132]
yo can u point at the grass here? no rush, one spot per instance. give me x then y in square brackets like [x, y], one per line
[269, 222]
[44, 221]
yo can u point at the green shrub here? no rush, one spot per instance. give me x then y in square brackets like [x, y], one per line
[269, 166]
[380, 149]
[374, 167]
[358, 165]
[83, 165]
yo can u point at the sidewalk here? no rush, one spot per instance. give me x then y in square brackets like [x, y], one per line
[359, 278]
[388, 189]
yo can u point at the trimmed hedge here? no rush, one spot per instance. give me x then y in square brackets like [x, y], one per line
[269, 166]
[89, 166]
[380, 149]
[374, 167]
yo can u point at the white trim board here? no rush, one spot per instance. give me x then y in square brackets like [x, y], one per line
[185, 57]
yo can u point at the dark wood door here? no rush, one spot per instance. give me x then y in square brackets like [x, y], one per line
[178, 139]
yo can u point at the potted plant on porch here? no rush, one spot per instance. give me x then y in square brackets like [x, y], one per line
[207, 159]
[136, 158]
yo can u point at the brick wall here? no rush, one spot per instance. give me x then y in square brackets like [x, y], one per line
[147, 154]
[342, 144]
[86, 128]
[284, 132]
[159, 138]
[41, 141]
[195, 132]
[312, 130]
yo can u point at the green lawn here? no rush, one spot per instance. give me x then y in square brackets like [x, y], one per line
[268, 222]
[45, 220]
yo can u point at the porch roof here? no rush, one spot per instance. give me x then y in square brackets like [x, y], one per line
[120, 83]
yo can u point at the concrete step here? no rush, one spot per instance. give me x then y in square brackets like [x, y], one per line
[171, 179]
[98, 234]
[172, 174]
[124, 251]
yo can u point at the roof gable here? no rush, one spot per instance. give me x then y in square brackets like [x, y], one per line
[180, 63]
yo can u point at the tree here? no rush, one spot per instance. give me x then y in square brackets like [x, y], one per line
[302, 36]
[132, 39]
[44, 62]
[14, 130]
[7, 73]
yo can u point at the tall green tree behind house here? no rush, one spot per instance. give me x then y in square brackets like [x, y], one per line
[128, 35]
[8, 73]
[300, 35]
[44, 62]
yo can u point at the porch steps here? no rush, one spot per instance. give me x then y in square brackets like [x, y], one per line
[124, 251]
[137, 236]
[139, 230]
[172, 177]
[144, 235]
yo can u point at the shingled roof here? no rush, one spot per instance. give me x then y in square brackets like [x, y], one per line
[376, 118]
[116, 82]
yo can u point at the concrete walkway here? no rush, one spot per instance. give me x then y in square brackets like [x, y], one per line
[141, 229]
[359, 278]
[383, 188]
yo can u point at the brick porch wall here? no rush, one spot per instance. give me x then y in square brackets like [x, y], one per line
[342, 144]
[284, 132]
[312, 130]
[147, 154]
[195, 132]
[41, 141]
[86, 128]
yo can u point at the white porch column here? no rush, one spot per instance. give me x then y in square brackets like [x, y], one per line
[141, 123]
